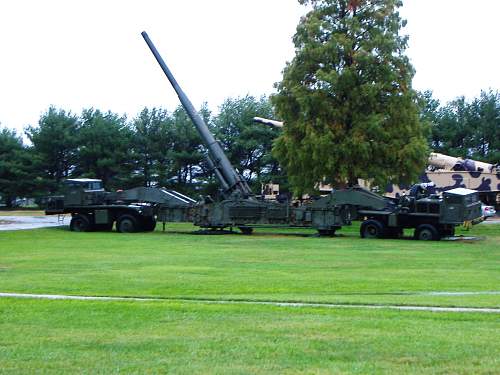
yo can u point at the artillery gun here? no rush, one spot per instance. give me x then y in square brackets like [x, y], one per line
[239, 207]
[439, 161]
[431, 216]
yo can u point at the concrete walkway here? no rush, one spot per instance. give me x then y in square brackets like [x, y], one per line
[30, 222]
[271, 303]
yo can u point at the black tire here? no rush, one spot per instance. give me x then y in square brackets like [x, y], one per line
[80, 223]
[426, 232]
[372, 229]
[148, 224]
[127, 224]
[246, 230]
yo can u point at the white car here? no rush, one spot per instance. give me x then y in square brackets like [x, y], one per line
[488, 211]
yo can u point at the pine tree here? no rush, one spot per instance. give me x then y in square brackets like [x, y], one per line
[16, 177]
[346, 98]
[55, 146]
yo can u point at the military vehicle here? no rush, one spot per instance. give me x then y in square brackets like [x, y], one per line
[431, 216]
[448, 172]
[134, 210]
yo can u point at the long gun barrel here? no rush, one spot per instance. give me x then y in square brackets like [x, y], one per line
[231, 180]
[265, 121]
[441, 161]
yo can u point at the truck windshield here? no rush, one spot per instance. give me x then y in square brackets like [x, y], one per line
[94, 185]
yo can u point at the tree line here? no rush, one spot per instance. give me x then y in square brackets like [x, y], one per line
[162, 148]
[468, 129]
[155, 148]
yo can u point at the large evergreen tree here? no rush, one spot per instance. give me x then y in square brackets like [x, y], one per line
[105, 150]
[55, 145]
[346, 98]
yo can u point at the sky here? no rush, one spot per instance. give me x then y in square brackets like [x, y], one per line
[89, 53]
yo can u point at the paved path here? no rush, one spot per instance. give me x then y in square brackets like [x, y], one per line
[30, 222]
[492, 220]
[271, 303]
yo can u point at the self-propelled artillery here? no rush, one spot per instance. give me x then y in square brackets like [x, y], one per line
[432, 217]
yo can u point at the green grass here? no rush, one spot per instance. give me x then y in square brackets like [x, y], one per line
[161, 337]
[194, 337]
[267, 266]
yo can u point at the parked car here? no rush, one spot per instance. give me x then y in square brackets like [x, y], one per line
[488, 211]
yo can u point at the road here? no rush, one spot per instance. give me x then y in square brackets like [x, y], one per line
[30, 222]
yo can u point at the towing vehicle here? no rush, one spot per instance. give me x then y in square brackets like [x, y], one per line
[134, 210]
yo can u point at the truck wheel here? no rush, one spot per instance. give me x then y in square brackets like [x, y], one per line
[426, 232]
[127, 224]
[80, 223]
[372, 229]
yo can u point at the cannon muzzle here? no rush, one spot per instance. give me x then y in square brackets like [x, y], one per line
[265, 121]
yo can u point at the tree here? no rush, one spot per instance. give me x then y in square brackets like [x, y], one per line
[485, 121]
[187, 151]
[247, 144]
[346, 98]
[468, 129]
[16, 179]
[152, 141]
[451, 133]
[104, 150]
[54, 145]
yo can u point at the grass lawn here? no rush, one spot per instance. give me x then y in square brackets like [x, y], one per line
[266, 266]
[164, 337]
[187, 337]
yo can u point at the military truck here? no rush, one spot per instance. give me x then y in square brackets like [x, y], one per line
[134, 210]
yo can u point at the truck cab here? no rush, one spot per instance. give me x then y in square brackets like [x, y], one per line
[83, 192]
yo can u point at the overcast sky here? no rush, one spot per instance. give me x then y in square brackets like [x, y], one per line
[89, 53]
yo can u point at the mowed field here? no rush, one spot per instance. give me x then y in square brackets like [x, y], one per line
[183, 333]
